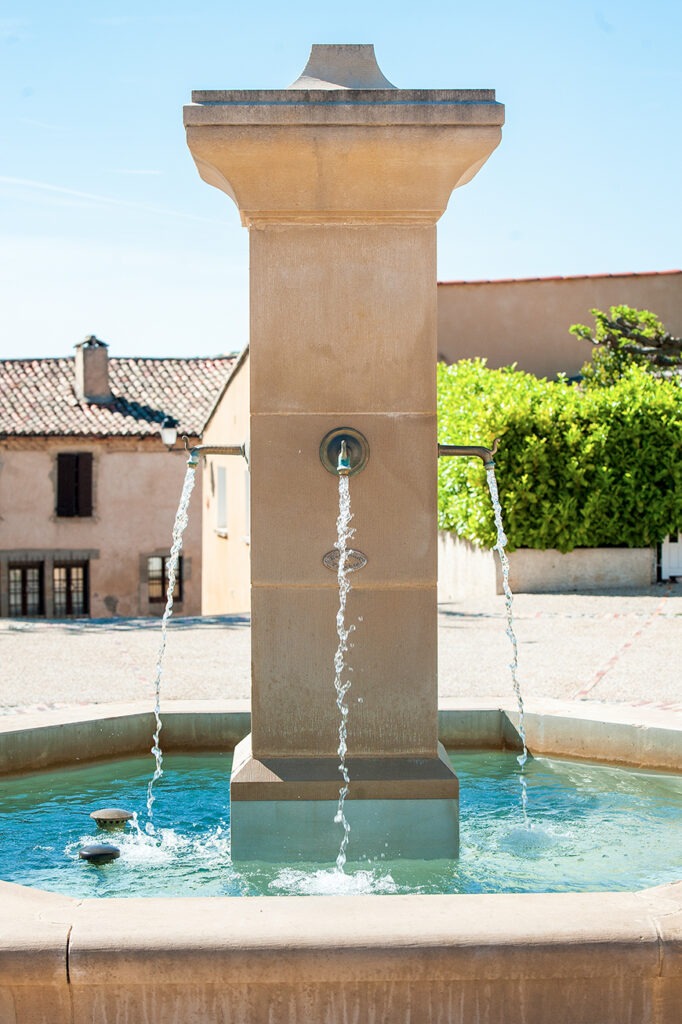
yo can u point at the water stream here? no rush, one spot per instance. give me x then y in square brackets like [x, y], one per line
[181, 519]
[500, 547]
[344, 532]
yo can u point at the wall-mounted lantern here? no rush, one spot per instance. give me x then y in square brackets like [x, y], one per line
[169, 432]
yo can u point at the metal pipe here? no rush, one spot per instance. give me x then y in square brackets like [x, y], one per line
[471, 451]
[211, 449]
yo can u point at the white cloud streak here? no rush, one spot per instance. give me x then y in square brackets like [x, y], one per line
[43, 186]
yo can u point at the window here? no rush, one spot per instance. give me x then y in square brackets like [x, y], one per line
[74, 484]
[157, 578]
[26, 591]
[247, 504]
[221, 503]
[70, 585]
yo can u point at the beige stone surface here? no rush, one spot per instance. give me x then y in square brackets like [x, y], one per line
[670, 928]
[343, 318]
[45, 739]
[393, 500]
[34, 929]
[550, 571]
[400, 174]
[341, 938]
[368, 107]
[312, 778]
[393, 695]
[341, 189]
[346, 66]
[466, 571]
[34, 934]
[645, 736]
[468, 959]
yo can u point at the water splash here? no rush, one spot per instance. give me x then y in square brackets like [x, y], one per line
[328, 882]
[509, 601]
[344, 532]
[181, 520]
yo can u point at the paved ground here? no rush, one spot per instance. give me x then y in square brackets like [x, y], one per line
[600, 647]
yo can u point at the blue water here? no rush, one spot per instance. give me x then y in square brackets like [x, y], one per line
[592, 828]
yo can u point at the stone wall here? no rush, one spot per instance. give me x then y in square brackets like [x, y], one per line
[526, 321]
[465, 570]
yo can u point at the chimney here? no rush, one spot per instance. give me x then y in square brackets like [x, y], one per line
[92, 371]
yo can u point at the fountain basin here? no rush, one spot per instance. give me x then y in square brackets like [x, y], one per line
[591, 828]
[512, 959]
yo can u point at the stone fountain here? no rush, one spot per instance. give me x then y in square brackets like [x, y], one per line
[340, 180]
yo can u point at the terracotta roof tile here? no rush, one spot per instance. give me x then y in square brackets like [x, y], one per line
[569, 277]
[37, 396]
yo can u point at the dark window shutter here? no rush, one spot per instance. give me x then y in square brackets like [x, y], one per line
[84, 490]
[67, 468]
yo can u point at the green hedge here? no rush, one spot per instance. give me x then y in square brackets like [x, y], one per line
[576, 467]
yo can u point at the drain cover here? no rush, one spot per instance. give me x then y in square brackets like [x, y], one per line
[99, 853]
[110, 817]
[354, 560]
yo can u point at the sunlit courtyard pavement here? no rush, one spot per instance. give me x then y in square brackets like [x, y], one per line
[599, 647]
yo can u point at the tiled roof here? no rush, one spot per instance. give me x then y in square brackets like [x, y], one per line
[569, 277]
[37, 397]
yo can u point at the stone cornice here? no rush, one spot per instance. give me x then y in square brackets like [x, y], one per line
[356, 107]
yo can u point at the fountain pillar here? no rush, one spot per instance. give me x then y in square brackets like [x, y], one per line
[340, 180]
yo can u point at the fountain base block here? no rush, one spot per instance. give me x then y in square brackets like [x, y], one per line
[283, 808]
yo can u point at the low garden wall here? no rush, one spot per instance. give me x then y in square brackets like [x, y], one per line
[465, 570]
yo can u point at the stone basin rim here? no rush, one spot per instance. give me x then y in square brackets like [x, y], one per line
[639, 736]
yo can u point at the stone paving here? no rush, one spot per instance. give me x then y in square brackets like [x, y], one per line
[623, 647]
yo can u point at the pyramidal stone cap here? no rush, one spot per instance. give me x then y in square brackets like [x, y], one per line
[342, 84]
[342, 66]
[359, 150]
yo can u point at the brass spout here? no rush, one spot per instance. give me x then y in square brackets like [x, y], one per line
[344, 451]
[343, 465]
[471, 451]
[211, 449]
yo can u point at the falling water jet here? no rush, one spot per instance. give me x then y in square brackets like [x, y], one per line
[181, 520]
[500, 547]
[487, 457]
[344, 532]
[179, 526]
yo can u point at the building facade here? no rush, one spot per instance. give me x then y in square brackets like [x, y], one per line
[89, 490]
[226, 509]
[527, 321]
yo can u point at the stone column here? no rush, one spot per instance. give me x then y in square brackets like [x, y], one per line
[340, 180]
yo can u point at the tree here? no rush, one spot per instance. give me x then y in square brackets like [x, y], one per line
[626, 336]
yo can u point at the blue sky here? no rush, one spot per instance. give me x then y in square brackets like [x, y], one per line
[106, 228]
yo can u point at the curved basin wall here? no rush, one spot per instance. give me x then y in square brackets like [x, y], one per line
[608, 958]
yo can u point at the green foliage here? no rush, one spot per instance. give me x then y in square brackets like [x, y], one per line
[577, 467]
[624, 337]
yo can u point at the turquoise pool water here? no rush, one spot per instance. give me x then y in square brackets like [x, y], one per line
[592, 827]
